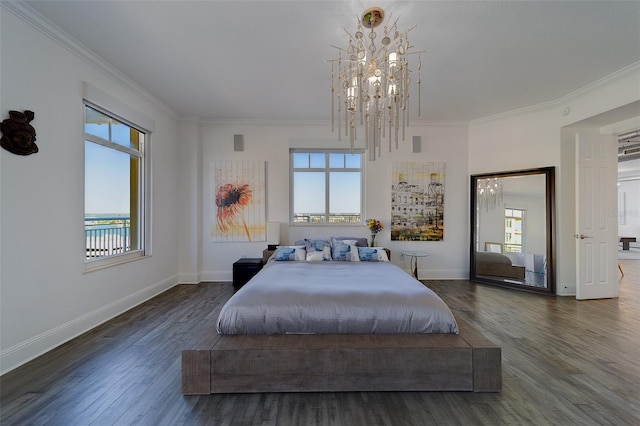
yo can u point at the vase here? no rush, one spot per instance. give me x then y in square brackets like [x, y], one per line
[373, 240]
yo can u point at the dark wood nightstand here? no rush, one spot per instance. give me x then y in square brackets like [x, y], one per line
[266, 254]
[244, 270]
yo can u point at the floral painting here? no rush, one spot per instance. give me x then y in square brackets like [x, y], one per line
[238, 201]
[417, 201]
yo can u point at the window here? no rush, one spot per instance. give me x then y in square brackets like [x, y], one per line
[114, 189]
[326, 186]
[513, 237]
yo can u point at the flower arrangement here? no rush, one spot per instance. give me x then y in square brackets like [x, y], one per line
[374, 226]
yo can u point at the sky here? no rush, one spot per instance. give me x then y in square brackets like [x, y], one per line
[106, 172]
[309, 187]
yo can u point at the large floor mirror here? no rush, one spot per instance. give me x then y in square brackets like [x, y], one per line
[512, 234]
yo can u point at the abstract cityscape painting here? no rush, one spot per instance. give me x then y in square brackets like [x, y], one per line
[238, 203]
[417, 201]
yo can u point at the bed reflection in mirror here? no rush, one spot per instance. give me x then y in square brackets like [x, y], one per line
[512, 229]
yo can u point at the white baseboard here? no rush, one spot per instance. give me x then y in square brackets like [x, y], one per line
[189, 278]
[29, 349]
[441, 274]
[225, 276]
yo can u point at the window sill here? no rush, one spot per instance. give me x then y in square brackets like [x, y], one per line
[98, 264]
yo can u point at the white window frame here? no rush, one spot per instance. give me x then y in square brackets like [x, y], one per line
[522, 218]
[105, 104]
[326, 170]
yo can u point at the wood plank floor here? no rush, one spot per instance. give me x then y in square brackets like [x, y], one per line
[564, 363]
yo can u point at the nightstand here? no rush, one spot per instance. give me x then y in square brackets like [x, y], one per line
[266, 254]
[244, 270]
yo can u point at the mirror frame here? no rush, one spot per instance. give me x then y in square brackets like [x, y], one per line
[549, 173]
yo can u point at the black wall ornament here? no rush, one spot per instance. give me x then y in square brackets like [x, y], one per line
[18, 136]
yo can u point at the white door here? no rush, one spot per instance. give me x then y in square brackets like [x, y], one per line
[596, 218]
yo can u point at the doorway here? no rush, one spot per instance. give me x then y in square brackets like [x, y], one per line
[612, 123]
[629, 202]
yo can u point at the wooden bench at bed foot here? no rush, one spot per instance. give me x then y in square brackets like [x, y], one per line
[356, 362]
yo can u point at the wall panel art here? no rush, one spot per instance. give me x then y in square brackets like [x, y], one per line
[238, 201]
[417, 201]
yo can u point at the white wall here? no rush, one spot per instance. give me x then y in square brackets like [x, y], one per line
[271, 143]
[45, 296]
[189, 201]
[631, 226]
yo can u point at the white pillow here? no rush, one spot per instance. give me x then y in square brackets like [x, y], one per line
[313, 256]
[372, 254]
[353, 251]
[343, 249]
[318, 249]
[290, 253]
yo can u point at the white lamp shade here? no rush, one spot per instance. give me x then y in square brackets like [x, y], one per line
[273, 233]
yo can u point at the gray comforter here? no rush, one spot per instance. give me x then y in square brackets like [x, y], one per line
[334, 298]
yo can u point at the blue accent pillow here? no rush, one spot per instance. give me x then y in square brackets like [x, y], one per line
[372, 254]
[318, 249]
[289, 253]
[344, 250]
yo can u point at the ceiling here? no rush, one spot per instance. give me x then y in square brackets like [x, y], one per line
[267, 60]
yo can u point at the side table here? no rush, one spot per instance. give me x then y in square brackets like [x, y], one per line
[413, 259]
[625, 242]
[244, 270]
[266, 254]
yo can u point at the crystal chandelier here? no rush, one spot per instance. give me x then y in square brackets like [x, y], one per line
[373, 81]
[489, 193]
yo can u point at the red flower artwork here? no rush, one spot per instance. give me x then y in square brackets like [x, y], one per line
[231, 201]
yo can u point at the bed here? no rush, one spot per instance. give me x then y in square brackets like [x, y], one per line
[497, 265]
[311, 326]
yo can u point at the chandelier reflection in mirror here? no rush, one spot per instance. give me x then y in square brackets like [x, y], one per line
[373, 82]
[489, 193]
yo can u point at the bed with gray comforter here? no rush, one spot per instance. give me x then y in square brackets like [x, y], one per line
[335, 298]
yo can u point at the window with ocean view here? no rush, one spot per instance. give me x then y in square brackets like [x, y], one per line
[326, 186]
[114, 188]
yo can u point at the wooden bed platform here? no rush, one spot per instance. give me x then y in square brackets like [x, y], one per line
[347, 362]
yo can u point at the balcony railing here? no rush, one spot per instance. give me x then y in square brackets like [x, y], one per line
[320, 218]
[512, 248]
[107, 235]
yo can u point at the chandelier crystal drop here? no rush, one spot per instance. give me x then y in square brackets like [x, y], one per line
[370, 83]
[490, 193]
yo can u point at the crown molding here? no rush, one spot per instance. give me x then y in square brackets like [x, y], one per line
[634, 67]
[49, 29]
[513, 113]
[263, 122]
[623, 72]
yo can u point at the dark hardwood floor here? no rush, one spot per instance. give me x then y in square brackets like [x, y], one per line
[564, 363]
